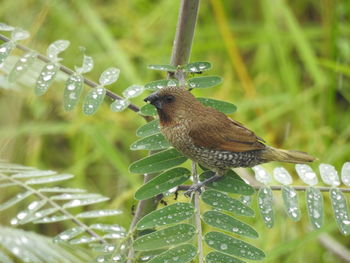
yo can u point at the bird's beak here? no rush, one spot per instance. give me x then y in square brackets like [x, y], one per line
[155, 100]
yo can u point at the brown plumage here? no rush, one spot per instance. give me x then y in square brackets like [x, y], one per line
[209, 137]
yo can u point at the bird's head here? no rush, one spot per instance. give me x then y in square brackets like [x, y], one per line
[172, 103]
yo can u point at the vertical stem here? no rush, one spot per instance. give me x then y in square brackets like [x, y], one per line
[180, 55]
[197, 215]
[184, 32]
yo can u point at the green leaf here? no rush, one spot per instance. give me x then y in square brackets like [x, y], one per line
[83, 202]
[218, 257]
[99, 213]
[152, 142]
[166, 237]
[314, 201]
[204, 82]
[290, 199]
[233, 246]
[341, 212]
[52, 219]
[223, 106]
[72, 91]
[180, 254]
[93, 100]
[69, 234]
[14, 200]
[197, 67]
[49, 179]
[5, 50]
[171, 214]
[159, 84]
[158, 162]
[149, 128]
[228, 223]
[46, 77]
[163, 182]
[228, 183]
[164, 67]
[119, 105]
[223, 201]
[265, 203]
[22, 65]
[148, 110]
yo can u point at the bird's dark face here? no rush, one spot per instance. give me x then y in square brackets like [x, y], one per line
[171, 103]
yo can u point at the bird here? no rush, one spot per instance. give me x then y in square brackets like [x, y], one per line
[210, 138]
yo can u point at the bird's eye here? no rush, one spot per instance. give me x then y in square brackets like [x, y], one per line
[169, 98]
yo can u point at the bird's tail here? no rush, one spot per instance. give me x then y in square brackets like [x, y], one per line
[279, 155]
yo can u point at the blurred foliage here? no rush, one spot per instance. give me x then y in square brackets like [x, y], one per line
[292, 89]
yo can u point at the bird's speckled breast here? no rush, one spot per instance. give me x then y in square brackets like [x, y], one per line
[218, 160]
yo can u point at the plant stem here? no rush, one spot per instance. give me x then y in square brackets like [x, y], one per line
[279, 188]
[197, 214]
[180, 55]
[184, 32]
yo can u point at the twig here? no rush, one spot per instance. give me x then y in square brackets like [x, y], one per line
[335, 247]
[197, 214]
[279, 188]
[68, 71]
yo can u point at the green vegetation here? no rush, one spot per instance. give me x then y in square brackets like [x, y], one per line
[284, 65]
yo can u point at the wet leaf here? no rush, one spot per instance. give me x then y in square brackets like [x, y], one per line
[22, 65]
[204, 82]
[166, 237]
[228, 183]
[5, 50]
[218, 257]
[340, 209]
[149, 128]
[228, 223]
[265, 203]
[160, 84]
[180, 254]
[133, 91]
[223, 201]
[99, 213]
[196, 67]
[14, 200]
[291, 205]
[45, 79]
[170, 214]
[88, 65]
[163, 182]
[49, 179]
[152, 142]
[93, 100]
[68, 234]
[158, 162]
[57, 47]
[148, 110]
[119, 105]
[314, 202]
[109, 76]
[165, 67]
[232, 246]
[223, 106]
[72, 91]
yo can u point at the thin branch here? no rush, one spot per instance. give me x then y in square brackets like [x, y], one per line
[279, 188]
[197, 214]
[184, 32]
[335, 247]
[68, 71]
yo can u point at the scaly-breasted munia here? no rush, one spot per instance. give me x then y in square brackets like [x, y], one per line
[209, 137]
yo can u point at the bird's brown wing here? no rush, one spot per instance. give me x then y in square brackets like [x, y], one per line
[225, 134]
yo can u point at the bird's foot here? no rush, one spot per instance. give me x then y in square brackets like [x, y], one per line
[197, 187]
[194, 188]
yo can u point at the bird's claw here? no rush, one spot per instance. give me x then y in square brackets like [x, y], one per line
[194, 188]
